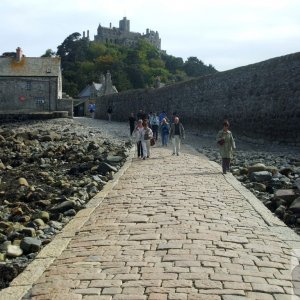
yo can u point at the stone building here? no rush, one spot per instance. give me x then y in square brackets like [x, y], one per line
[89, 94]
[123, 35]
[29, 84]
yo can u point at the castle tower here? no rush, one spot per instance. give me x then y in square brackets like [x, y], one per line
[124, 25]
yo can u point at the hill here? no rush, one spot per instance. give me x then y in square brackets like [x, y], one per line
[139, 66]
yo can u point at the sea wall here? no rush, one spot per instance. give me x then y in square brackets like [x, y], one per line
[261, 100]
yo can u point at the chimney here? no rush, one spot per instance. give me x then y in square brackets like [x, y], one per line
[19, 54]
[84, 34]
[110, 25]
[88, 34]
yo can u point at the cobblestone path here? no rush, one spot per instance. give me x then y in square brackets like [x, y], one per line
[173, 227]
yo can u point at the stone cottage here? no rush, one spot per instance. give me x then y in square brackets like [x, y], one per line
[89, 94]
[29, 84]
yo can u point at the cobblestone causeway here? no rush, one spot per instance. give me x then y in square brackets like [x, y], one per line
[171, 228]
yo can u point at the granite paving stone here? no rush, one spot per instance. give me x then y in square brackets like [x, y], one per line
[171, 227]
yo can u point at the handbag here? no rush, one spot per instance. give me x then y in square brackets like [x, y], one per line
[221, 142]
[152, 142]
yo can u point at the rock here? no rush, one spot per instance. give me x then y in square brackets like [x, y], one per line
[3, 238]
[288, 195]
[44, 215]
[297, 183]
[295, 206]
[256, 168]
[28, 231]
[259, 186]
[13, 251]
[70, 213]
[114, 159]
[62, 207]
[280, 211]
[286, 171]
[55, 225]
[17, 211]
[261, 176]
[2, 257]
[29, 245]
[23, 181]
[39, 222]
[103, 168]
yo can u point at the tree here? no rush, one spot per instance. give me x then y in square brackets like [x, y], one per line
[49, 53]
[194, 67]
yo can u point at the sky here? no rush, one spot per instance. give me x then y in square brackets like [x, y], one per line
[224, 33]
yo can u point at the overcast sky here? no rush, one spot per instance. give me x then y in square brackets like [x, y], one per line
[224, 33]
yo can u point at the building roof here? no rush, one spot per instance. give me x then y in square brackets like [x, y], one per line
[30, 66]
[87, 91]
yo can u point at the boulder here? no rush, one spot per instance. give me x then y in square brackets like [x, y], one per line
[13, 251]
[64, 206]
[23, 181]
[287, 195]
[295, 206]
[114, 159]
[259, 186]
[297, 183]
[261, 176]
[256, 168]
[28, 231]
[29, 244]
[103, 168]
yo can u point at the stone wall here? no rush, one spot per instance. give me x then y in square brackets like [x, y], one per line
[261, 100]
[28, 94]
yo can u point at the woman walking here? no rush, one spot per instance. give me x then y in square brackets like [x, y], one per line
[147, 134]
[165, 129]
[138, 137]
[226, 146]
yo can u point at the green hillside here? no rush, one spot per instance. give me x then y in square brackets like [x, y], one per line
[83, 61]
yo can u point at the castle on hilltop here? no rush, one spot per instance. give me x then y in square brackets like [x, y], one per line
[123, 35]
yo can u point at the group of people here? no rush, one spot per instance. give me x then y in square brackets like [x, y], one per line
[145, 128]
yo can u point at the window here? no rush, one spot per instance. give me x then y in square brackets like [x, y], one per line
[28, 85]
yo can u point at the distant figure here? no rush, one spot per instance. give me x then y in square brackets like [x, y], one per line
[146, 136]
[164, 130]
[154, 122]
[138, 137]
[162, 116]
[131, 120]
[226, 146]
[141, 115]
[109, 113]
[177, 135]
[92, 108]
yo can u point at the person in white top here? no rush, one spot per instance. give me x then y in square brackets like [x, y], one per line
[147, 134]
[154, 122]
[137, 133]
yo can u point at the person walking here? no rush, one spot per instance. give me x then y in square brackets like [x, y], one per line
[109, 113]
[154, 122]
[165, 130]
[147, 134]
[177, 134]
[226, 145]
[131, 120]
[138, 137]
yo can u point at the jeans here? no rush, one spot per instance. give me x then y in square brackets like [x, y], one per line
[176, 144]
[146, 148]
[164, 139]
[225, 165]
[139, 149]
[155, 131]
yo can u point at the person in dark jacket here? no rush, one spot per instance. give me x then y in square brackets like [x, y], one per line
[177, 134]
